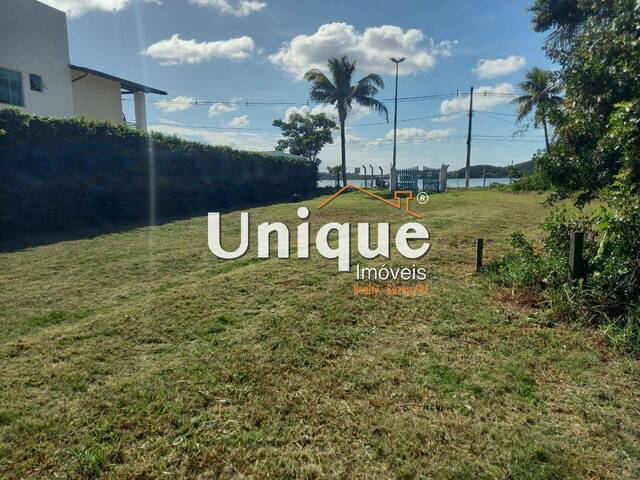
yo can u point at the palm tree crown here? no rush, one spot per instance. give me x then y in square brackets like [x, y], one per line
[340, 92]
[542, 93]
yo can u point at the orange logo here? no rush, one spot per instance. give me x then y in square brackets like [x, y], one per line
[395, 204]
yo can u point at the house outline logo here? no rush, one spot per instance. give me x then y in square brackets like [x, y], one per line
[395, 204]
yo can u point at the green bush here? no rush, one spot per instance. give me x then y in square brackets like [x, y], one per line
[535, 182]
[609, 294]
[64, 174]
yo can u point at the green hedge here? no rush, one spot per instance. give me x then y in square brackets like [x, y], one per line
[57, 175]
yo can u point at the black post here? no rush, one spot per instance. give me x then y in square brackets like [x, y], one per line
[467, 172]
[576, 264]
[479, 248]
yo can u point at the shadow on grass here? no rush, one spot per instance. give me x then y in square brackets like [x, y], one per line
[20, 241]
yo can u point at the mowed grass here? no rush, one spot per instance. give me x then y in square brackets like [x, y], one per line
[141, 355]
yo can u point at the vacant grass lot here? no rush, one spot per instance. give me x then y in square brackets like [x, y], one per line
[140, 355]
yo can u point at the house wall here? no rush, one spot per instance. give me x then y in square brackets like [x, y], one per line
[96, 98]
[33, 39]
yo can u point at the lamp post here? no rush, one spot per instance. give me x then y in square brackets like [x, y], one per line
[395, 109]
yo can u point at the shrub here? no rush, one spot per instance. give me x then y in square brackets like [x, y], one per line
[534, 182]
[62, 174]
[609, 294]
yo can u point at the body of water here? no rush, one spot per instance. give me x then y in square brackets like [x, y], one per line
[451, 183]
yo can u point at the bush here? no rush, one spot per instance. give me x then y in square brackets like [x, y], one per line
[535, 182]
[57, 175]
[609, 294]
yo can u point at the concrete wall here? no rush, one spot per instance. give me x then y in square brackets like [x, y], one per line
[33, 39]
[96, 98]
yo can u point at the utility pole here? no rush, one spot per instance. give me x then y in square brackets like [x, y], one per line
[467, 172]
[395, 110]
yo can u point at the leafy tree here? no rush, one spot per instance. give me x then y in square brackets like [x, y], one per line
[340, 92]
[336, 170]
[541, 95]
[597, 45]
[305, 135]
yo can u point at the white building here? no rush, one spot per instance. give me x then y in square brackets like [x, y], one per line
[36, 76]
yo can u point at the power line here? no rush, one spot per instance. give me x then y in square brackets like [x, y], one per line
[407, 119]
[271, 103]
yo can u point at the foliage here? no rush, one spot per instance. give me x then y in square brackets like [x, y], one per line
[542, 95]
[305, 135]
[521, 267]
[335, 170]
[62, 174]
[513, 172]
[609, 293]
[340, 92]
[597, 45]
[534, 180]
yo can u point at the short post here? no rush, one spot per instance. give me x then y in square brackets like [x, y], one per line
[576, 264]
[479, 247]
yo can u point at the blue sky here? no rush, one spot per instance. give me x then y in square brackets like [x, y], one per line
[256, 50]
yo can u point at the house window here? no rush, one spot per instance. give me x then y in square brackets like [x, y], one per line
[11, 87]
[36, 82]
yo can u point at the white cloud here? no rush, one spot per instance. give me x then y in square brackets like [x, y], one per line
[241, 140]
[177, 104]
[175, 50]
[371, 49]
[413, 133]
[480, 101]
[75, 8]
[357, 111]
[410, 133]
[221, 108]
[241, 121]
[498, 67]
[445, 118]
[236, 8]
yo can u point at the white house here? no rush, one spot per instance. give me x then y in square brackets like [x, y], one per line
[36, 76]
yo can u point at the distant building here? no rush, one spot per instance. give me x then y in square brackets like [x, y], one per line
[357, 171]
[36, 76]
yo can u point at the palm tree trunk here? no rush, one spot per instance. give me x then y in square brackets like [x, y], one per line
[546, 134]
[344, 152]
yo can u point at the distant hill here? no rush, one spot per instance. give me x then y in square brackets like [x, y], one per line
[477, 171]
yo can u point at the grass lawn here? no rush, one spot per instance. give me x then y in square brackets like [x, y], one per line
[140, 355]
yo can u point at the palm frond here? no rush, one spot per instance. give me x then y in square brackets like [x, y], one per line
[524, 106]
[373, 104]
[341, 70]
[322, 90]
[359, 90]
[372, 79]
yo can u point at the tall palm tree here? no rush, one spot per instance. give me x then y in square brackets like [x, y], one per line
[341, 93]
[542, 95]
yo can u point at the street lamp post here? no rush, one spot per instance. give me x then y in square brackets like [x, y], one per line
[395, 110]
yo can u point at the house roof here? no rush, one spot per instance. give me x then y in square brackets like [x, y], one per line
[130, 87]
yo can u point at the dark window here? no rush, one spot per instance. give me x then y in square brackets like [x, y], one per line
[36, 82]
[11, 87]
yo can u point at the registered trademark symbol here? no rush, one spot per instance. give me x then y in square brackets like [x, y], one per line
[422, 198]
